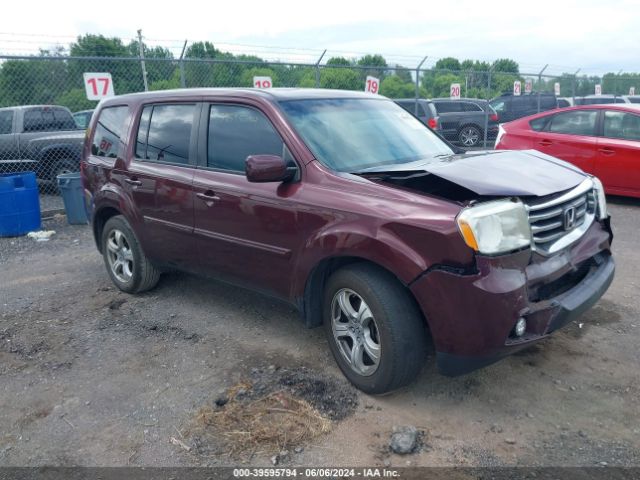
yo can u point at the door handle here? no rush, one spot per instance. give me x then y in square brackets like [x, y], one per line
[544, 143]
[607, 151]
[133, 181]
[209, 197]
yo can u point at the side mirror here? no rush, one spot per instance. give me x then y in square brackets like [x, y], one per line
[268, 168]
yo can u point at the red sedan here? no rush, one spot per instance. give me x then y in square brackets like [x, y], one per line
[603, 140]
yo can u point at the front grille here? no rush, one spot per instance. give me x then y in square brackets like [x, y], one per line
[561, 219]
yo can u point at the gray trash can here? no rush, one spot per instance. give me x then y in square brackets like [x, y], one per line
[70, 187]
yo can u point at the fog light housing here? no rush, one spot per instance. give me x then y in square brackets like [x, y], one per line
[520, 328]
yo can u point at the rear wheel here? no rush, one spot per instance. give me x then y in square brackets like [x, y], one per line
[126, 263]
[374, 328]
[469, 136]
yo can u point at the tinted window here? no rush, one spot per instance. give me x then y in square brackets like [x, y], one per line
[621, 125]
[578, 122]
[164, 133]
[620, 100]
[522, 104]
[562, 103]
[411, 108]
[143, 132]
[48, 119]
[237, 132]
[6, 121]
[499, 105]
[109, 131]
[470, 107]
[634, 99]
[447, 107]
[538, 124]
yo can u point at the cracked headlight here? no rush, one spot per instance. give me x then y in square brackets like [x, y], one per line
[495, 227]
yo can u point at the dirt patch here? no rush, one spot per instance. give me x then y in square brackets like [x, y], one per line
[276, 410]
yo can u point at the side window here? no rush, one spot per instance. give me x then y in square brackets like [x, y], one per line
[499, 105]
[236, 132]
[6, 121]
[164, 133]
[621, 125]
[110, 129]
[447, 107]
[470, 107]
[538, 124]
[577, 122]
[35, 121]
[547, 102]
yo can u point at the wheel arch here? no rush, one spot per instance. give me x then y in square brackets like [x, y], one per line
[310, 303]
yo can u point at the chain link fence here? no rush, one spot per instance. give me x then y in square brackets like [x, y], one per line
[48, 140]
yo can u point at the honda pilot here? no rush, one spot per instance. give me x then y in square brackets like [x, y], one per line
[351, 209]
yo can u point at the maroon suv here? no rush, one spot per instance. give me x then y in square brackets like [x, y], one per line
[347, 206]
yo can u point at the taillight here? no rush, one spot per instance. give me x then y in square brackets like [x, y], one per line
[433, 123]
[494, 117]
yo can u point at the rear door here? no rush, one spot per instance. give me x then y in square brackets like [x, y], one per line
[246, 232]
[571, 136]
[159, 180]
[618, 159]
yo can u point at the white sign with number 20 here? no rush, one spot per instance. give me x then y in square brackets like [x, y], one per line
[98, 85]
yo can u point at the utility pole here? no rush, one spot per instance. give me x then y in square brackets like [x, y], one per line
[573, 86]
[418, 83]
[144, 68]
[183, 82]
[540, 84]
[317, 68]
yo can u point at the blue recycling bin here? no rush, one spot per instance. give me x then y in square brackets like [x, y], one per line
[19, 204]
[70, 187]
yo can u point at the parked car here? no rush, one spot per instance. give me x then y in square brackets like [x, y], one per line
[39, 138]
[601, 99]
[511, 107]
[603, 140]
[349, 208]
[564, 102]
[461, 121]
[82, 118]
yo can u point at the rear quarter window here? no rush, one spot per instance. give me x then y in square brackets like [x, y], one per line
[109, 132]
[538, 124]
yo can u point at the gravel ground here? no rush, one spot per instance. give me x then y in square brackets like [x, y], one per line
[50, 203]
[92, 376]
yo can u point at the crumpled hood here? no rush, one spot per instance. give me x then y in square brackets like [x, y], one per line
[505, 172]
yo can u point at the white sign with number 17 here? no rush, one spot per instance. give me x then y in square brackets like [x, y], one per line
[98, 85]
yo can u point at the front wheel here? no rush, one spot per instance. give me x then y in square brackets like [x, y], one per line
[126, 263]
[375, 330]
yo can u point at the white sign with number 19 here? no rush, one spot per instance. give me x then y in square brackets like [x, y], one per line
[262, 82]
[372, 84]
[98, 85]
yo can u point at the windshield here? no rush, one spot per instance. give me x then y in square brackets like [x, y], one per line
[349, 135]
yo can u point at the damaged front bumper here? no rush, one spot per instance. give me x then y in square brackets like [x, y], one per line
[472, 315]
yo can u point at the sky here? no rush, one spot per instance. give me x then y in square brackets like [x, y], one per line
[595, 36]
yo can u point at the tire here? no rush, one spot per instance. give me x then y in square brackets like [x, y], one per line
[470, 136]
[134, 273]
[394, 324]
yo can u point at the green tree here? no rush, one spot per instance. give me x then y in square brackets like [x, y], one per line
[394, 86]
[75, 100]
[339, 61]
[449, 64]
[341, 78]
[506, 65]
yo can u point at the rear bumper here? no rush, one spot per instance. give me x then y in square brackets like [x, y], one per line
[472, 316]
